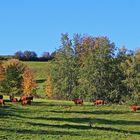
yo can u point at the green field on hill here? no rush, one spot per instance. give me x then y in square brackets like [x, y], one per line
[62, 120]
[39, 70]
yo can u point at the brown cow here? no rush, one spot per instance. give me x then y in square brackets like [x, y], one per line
[13, 99]
[135, 107]
[2, 102]
[99, 102]
[22, 98]
[78, 101]
[26, 100]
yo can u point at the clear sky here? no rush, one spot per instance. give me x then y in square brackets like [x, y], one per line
[37, 25]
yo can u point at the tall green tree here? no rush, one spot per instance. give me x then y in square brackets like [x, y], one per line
[13, 77]
[63, 70]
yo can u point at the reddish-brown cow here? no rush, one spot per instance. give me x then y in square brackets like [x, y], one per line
[26, 100]
[2, 102]
[99, 102]
[13, 99]
[135, 107]
[78, 101]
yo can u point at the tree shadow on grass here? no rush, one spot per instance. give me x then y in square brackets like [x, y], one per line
[64, 126]
[92, 120]
[84, 127]
[92, 112]
[117, 130]
[13, 111]
[39, 132]
[50, 104]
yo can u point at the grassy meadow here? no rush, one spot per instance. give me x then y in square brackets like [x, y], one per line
[62, 120]
[39, 70]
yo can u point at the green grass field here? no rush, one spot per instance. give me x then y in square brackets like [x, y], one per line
[62, 120]
[39, 70]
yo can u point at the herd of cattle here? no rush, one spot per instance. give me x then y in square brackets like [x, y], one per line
[23, 99]
[102, 102]
[28, 99]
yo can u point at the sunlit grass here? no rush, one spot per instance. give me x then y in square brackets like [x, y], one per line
[50, 119]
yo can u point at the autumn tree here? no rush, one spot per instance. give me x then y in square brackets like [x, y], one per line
[28, 84]
[2, 72]
[2, 76]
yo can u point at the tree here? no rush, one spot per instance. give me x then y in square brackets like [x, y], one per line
[19, 55]
[2, 72]
[63, 70]
[2, 76]
[46, 55]
[28, 84]
[13, 77]
[30, 55]
[131, 69]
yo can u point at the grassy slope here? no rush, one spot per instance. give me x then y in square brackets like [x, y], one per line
[49, 119]
[39, 69]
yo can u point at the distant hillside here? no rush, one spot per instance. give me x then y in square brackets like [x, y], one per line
[39, 69]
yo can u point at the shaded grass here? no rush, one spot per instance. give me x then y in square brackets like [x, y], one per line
[49, 119]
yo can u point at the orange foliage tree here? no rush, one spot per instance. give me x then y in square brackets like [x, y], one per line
[2, 72]
[49, 89]
[29, 84]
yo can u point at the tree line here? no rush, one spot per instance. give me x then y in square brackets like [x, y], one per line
[84, 67]
[29, 56]
[89, 67]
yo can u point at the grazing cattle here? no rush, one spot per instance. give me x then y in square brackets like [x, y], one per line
[2, 102]
[135, 107]
[99, 102]
[30, 98]
[1, 96]
[13, 99]
[26, 100]
[78, 101]
[22, 98]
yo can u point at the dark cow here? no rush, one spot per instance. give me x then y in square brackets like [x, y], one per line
[99, 102]
[1, 96]
[2, 102]
[78, 101]
[135, 107]
[13, 99]
[30, 98]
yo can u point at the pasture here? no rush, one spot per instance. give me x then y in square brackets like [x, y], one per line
[39, 70]
[63, 120]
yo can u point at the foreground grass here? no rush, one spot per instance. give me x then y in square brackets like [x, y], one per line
[47, 120]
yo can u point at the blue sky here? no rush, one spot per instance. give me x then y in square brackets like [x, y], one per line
[37, 25]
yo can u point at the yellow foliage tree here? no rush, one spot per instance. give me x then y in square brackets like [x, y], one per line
[2, 72]
[29, 84]
[49, 87]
